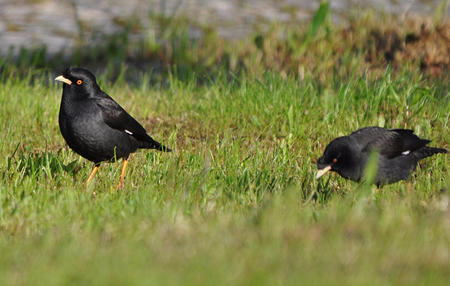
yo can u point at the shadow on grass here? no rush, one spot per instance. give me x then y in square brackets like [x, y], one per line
[40, 164]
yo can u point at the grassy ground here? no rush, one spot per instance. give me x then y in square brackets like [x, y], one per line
[237, 202]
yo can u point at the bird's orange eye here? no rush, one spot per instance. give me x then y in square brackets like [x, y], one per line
[334, 160]
[79, 81]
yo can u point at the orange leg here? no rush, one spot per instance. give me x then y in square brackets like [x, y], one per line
[122, 175]
[94, 171]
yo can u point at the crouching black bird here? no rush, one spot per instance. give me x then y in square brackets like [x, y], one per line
[399, 152]
[97, 127]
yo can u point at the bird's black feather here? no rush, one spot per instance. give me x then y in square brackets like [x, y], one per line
[94, 125]
[390, 143]
[411, 142]
[116, 117]
[399, 152]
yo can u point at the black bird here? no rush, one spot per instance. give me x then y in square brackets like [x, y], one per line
[399, 152]
[97, 127]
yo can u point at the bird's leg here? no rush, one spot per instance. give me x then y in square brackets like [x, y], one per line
[408, 187]
[122, 175]
[94, 171]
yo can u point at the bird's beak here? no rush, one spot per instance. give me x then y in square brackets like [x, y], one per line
[63, 79]
[323, 171]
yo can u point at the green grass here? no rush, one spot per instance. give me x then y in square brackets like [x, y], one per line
[237, 202]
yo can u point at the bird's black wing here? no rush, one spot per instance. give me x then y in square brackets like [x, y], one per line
[368, 135]
[411, 142]
[116, 117]
[389, 143]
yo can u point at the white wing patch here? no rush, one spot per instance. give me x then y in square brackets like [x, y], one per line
[131, 133]
[406, 152]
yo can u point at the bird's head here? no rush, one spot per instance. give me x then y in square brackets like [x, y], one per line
[339, 157]
[79, 81]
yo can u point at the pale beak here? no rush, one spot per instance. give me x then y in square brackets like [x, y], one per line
[63, 79]
[323, 171]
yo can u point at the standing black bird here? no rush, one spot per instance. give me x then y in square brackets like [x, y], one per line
[399, 152]
[97, 127]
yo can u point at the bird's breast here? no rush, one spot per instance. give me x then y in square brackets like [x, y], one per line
[88, 135]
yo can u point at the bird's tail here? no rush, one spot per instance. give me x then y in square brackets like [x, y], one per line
[428, 151]
[163, 148]
[150, 143]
